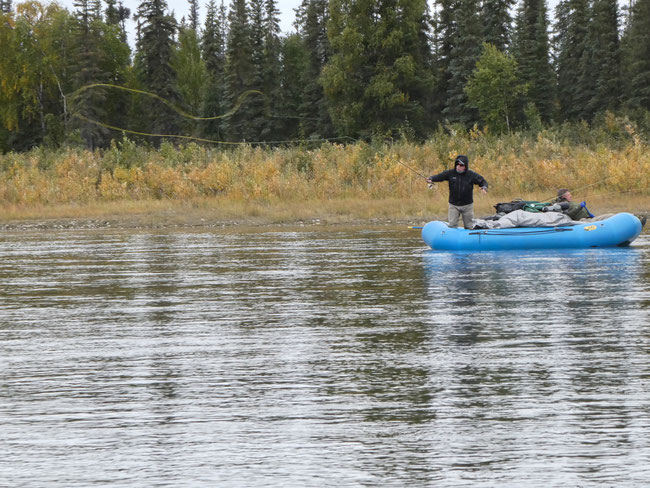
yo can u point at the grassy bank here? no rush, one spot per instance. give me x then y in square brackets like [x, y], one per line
[331, 182]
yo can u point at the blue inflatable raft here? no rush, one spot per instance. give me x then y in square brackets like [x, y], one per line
[619, 230]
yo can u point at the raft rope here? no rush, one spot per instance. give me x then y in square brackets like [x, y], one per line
[524, 233]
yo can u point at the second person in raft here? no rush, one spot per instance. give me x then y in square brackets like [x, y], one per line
[461, 190]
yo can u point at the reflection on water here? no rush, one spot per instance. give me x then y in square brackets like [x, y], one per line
[320, 357]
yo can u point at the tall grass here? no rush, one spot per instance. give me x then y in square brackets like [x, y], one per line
[365, 179]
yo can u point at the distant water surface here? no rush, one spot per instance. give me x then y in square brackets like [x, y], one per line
[319, 357]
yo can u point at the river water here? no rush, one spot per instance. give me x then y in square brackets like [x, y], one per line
[319, 357]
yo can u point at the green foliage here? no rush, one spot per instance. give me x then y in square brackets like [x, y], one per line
[153, 64]
[55, 136]
[497, 22]
[494, 89]
[376, 77]
[464, 51]
[213, 45]
[305, 87]
[532, 52]
[570, 44]
[604, 58]
[191, 74]
[371, 69]
[636, 67]
[239, 72]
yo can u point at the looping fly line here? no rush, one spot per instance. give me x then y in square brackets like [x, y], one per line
[236, 107]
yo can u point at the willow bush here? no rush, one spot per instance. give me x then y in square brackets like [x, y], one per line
[517, 165]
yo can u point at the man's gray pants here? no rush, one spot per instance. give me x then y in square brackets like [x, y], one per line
[456, 212]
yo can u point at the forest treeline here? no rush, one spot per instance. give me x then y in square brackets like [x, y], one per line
[352, 69]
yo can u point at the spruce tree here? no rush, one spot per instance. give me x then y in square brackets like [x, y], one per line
[637, 58]
[295, 65]
[444, 30]
[572, 18]
[272, 71]
[117, 14]
[373, 79]
[465, 44]
[194, 15]
[240, 75]
[259, 121]
[531, 50]
[603, 51]
[152, 62]
[191, 75]
[89, 103]
[497, 23]
[312, 107]
[214, 54]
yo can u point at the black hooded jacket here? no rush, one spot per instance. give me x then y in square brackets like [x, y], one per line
[461, 185]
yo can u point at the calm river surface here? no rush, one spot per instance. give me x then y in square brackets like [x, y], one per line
[319, 357]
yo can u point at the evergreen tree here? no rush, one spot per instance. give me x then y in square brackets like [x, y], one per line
[194, 15]
[295, 65]
[272, 71]
[374, 79]
[153, 57]
[89, 58]
[531, 50]
[569, 44]
[116, 14]
[444, 30]
[637, 58]
[240, 75]
[258, 112]
[191, 74]
[497, 22]
[312, 106]
[603, 52]
[214, 54]
[465, 41]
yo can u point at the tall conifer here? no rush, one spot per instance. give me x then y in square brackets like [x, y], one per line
[497, 22]
[194, 15]
[153, 64]
[373, 79]
[637, 57]
[603, 50]
[465, 50]
[240, 74]
[214, 54]
[89, 58]
[312, 26]
[532, 52]
[572, 18]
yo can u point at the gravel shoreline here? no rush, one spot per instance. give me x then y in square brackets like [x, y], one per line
[131, 223]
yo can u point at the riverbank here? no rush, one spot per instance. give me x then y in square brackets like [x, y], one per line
[132, 186]
[219, 213]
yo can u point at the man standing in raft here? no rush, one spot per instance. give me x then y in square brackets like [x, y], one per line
[461, 191]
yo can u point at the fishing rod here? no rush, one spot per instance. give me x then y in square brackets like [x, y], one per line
[581, 188]
[430, 185]
[414, 171]
[618, 192]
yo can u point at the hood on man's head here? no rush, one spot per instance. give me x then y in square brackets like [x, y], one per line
[461, 159]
